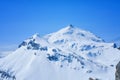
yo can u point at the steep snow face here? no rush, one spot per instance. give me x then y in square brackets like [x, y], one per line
[69, 54]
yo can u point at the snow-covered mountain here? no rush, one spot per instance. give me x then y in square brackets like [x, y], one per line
[68, 54]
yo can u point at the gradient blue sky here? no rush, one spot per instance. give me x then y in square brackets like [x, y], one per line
[19, 19]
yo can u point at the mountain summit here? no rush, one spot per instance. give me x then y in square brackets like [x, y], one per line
[68, 54]
[74, 34]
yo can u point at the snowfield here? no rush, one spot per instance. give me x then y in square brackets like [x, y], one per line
[68, 54]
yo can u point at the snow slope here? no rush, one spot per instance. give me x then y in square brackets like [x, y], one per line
[68, 54]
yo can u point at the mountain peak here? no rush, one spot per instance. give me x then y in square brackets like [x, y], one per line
[70, 26]
[71, 33]
[69, 29]
[35, 35]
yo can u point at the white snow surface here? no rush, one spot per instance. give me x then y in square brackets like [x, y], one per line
[68, 54]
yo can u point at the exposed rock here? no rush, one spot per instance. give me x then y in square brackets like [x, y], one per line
[93, 79]
[117, 74]
[119, 48]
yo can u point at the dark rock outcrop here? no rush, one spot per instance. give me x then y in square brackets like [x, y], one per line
[117, 74]
[93, 79]
[119, 48]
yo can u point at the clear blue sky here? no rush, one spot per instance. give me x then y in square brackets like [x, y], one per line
[19, 19]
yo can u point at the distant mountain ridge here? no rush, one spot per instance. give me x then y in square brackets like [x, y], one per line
[68, 54]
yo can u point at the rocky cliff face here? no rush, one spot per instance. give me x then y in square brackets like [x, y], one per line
[117, 74]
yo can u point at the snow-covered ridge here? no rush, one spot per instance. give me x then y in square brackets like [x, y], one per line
[68, 54]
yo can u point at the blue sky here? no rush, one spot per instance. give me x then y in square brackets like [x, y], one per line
[19, 19]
